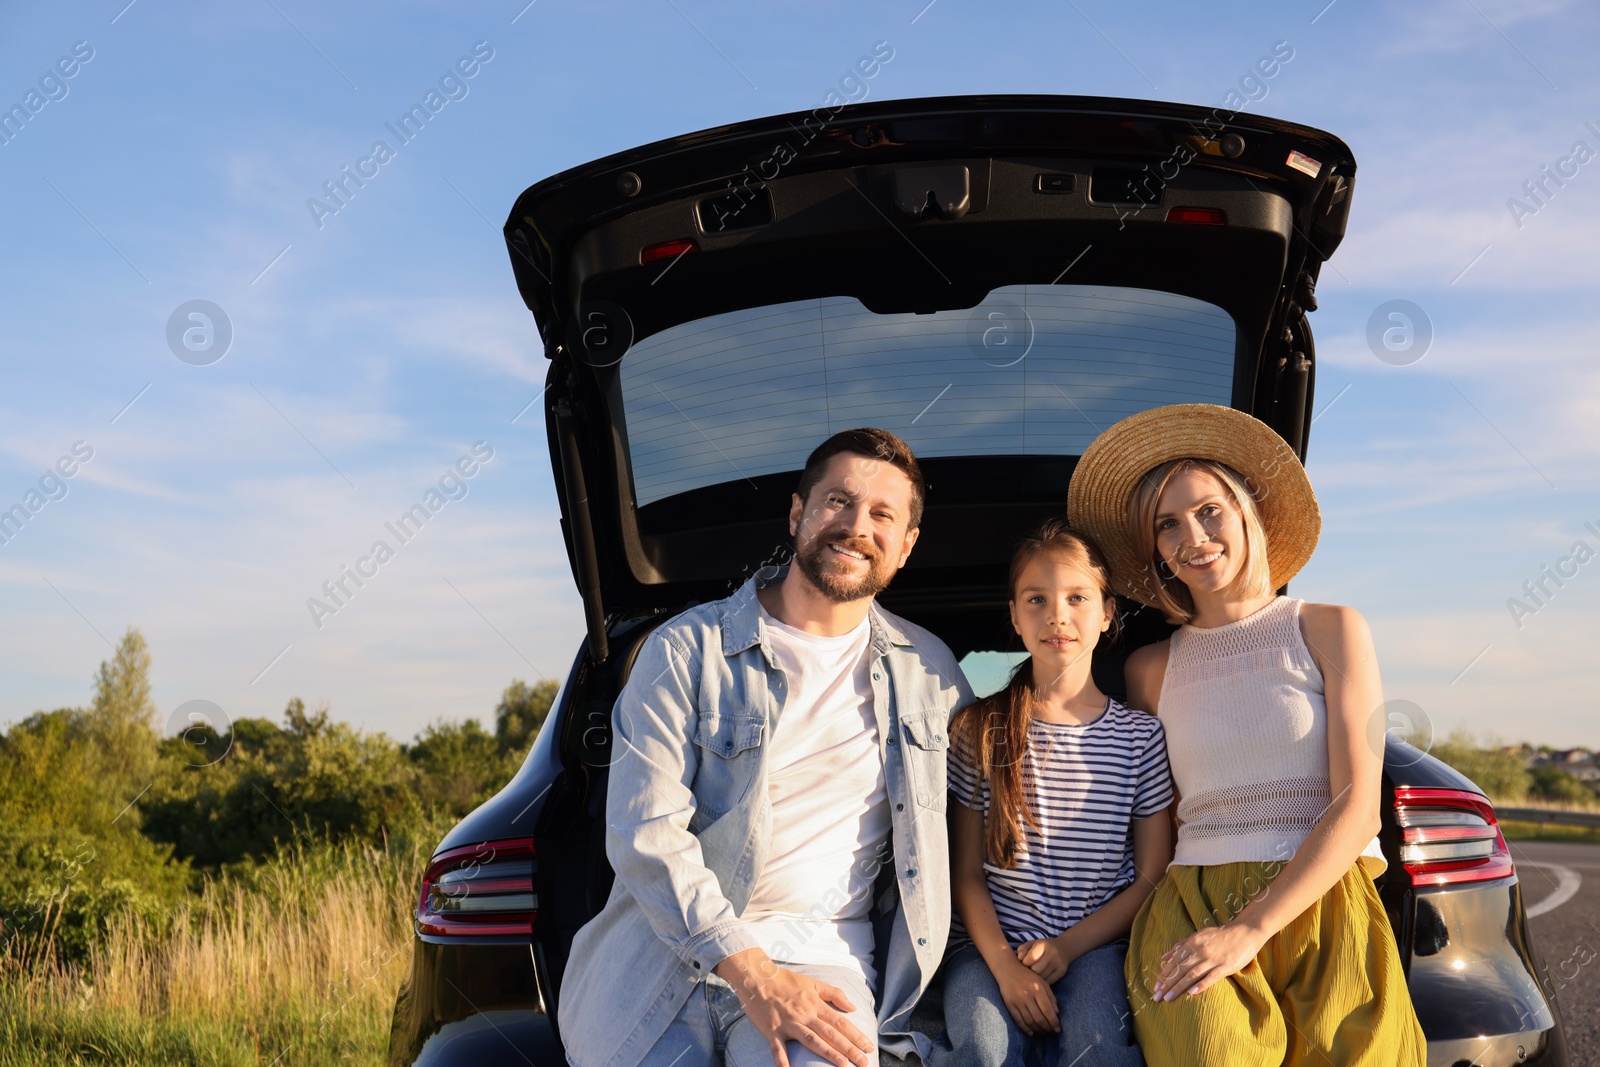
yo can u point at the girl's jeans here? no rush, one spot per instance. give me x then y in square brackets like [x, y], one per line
[1091, 999]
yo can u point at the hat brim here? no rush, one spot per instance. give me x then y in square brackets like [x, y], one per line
[1112, 465]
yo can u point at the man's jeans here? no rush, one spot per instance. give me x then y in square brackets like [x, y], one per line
[1091, 999]
[711, 1030]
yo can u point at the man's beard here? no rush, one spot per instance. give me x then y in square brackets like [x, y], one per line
[812, 560]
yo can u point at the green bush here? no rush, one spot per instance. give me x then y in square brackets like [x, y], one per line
[1555, 784]
[314, 780]
[61, 890]
[1500, 774]
[224, 799]
[73, 859]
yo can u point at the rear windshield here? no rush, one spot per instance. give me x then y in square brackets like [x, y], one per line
[1033, 370]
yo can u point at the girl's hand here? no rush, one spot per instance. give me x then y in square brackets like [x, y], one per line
[1044, 958]
[1028, 998]
[1204, 958]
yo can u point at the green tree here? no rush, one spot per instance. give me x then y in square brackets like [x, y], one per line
[462, 765]
[73, 858]
[1553, 783]
[121, 722]
[303, 725]
[1500, 774]
[311, 781]
[520, 713]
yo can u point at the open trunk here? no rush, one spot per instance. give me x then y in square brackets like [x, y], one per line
[993, 278]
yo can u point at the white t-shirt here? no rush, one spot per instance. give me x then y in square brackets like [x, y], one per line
[830, 804]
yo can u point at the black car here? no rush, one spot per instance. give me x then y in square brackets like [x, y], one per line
[995, 279]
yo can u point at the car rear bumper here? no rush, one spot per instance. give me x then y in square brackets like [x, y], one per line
[476, 1004]
[1476, 981]
[1542, 1047]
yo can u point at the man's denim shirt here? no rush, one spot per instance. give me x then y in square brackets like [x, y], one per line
[688, 823]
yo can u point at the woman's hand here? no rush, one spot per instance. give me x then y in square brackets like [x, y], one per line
[1044, 958]
[1204, 958]
[1028, 997]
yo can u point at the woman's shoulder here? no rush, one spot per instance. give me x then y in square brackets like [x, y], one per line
[1146, 656]
[1325, 613]
[1148, 663]
[1326, 623]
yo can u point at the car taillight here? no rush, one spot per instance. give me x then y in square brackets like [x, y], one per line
[1197, 216]
[1449, 836]
[667, 250]
[484, 890]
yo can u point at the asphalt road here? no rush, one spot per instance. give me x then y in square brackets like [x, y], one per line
[1561, 890]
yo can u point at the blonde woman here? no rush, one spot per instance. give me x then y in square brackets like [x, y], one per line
[1265, 941]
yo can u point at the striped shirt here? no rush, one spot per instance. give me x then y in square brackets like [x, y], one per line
[1086, 784]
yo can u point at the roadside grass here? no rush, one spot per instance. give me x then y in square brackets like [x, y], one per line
[1516, 830]
[289, 962]
[1528, 830]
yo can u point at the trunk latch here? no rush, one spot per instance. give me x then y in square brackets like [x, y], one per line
[946, 190]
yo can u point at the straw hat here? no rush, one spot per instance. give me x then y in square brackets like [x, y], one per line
[1104, 480]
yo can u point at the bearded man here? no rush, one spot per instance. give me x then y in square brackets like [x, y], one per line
[775, 811]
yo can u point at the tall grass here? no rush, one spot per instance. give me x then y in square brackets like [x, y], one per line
[296, 960]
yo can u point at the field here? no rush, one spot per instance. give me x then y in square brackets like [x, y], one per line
[251, 904]
[296, 964]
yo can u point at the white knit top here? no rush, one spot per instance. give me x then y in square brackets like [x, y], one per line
[1247, 733]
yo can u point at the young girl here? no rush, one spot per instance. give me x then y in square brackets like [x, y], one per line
[1265, 942]
[1059, 833]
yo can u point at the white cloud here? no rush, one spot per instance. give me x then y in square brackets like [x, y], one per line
[497, 336]
[1535, 684]
[1451, 27]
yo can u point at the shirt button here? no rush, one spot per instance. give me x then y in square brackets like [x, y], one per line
[891, 740]
[899, 807]
[922, 941]
[728, 746]
[911, 873]
[876, 677]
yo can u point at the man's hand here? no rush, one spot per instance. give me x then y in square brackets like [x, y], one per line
[1028, 998]
[787, 1006]
[1045, 958]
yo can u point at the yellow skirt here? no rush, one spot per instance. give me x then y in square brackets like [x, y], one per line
[1325, 990]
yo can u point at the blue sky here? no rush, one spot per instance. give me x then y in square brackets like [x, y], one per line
[370, 352]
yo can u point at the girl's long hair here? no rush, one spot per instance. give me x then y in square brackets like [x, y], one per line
[994, 731]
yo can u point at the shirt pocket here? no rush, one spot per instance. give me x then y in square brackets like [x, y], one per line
[729, 746]
[727, 735]
[927, 745]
